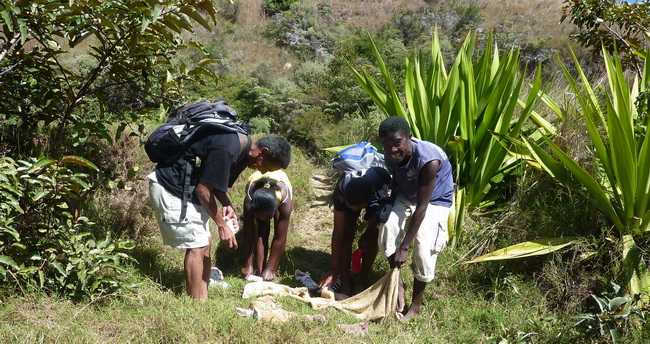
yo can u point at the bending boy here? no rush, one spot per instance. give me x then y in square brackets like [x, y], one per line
[268, 196]
[423, 191]
[354, 192]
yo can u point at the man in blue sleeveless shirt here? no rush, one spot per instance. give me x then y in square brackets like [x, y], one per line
[422, 190]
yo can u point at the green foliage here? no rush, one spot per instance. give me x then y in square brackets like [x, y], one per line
[619, 186]
[61, 61]
[272, 7]
[45, 242]
[302, 31]
[610, 23]
[260, 125]
[465, 110]
[616, 314]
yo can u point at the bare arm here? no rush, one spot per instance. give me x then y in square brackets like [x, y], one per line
[208, 200]
[426, 183]
[279, 236]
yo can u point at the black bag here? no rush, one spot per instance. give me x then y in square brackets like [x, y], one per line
[189, 123]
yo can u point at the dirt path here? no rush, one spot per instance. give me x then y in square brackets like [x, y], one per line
[312, 225]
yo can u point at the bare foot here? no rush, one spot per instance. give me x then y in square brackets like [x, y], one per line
[247, 270]
[412, 311]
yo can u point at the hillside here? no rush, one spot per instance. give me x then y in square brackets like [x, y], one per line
[286, 70]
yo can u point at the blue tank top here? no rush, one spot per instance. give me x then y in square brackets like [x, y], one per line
[406, 177]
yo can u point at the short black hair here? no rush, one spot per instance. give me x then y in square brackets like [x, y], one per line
[278, 149]
[357, 191]
[264, 197]
[392, 125]
[263, 200]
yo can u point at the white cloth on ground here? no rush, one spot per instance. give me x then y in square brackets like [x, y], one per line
[377, 302]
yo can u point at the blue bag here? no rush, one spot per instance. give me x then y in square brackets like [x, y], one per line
[358, 157]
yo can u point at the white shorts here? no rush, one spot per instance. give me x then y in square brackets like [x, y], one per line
[431, 237]
[192, 232]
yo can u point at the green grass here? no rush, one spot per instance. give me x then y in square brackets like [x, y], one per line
[465, 304]
[457, 310]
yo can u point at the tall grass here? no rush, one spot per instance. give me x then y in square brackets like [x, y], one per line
[619, 185]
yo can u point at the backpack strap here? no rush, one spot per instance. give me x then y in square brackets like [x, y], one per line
[187, 190]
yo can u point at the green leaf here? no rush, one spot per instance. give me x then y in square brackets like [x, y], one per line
[635, 272]
[41, 163]
[6, 260]
[197, 17]
[78, 161]
[526, 249]
[336, 149]
[6, 17]
[22, 26]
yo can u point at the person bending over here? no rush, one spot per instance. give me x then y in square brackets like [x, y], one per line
[223, 156]
[355, 192]
[269, 196]
[423, 191]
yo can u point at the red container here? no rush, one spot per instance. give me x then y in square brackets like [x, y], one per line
[357, 257]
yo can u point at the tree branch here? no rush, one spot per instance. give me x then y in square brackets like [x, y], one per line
[12, 44]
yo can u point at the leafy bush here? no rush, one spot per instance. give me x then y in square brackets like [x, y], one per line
[45, 241]
[272, 7]
[615, 315]
[61, 60]
[615, 24]
[260, 125]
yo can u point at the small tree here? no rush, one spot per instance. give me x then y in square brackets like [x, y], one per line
[84, 65]
[614, 24]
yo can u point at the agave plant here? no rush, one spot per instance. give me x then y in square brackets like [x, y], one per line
[622, 190]
[464, 111]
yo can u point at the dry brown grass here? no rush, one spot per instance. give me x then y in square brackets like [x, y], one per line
[369, 14]
[537, 19]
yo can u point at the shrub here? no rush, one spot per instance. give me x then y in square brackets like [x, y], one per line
[45, 241]
[260, 125]
[271, 7]
[61, 58]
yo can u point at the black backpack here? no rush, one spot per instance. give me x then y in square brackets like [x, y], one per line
[189, 123]
[186, 125]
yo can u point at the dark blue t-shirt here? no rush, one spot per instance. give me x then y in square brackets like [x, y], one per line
[406, 177]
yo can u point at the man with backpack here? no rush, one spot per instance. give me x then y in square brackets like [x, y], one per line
[422, 193]
[362, 186]
[200, 152]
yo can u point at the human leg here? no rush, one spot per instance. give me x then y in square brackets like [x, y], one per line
[429, 242]
[250, 245]
[368, 243]
[416, 300]
[390, 236]
[262, 245]
[197, 272]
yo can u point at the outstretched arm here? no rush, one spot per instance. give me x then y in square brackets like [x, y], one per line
[426, 183]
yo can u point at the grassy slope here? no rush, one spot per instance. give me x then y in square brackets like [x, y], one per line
[464, 305]
[474, 304]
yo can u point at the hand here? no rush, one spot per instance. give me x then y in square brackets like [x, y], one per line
[229, 212]
[400, 257]
[225, 234]
[327, 280]
[268, 275]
